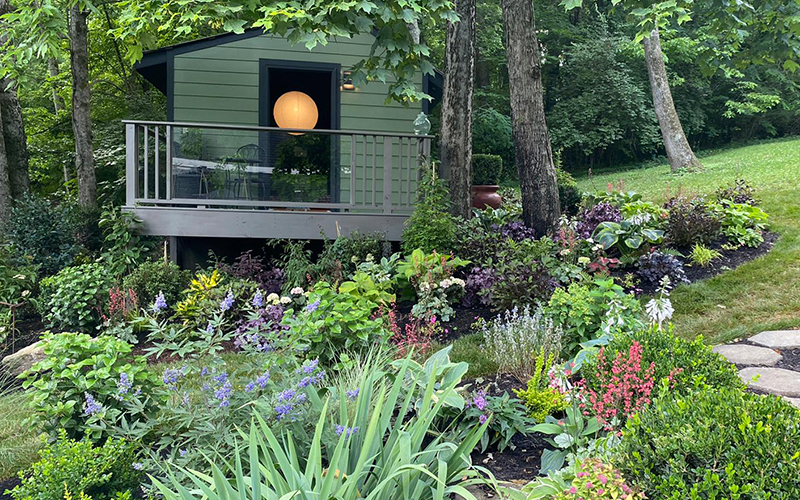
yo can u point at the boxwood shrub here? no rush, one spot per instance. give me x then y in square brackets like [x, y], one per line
[486, 169]
[713, 444]
[150, 278]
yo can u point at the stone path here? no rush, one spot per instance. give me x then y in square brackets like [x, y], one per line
[768, 362]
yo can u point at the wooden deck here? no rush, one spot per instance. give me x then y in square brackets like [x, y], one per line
[363, 181]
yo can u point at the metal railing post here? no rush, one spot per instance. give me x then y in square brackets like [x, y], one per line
[131, 163]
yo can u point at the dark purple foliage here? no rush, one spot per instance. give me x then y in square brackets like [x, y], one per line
[515, 230]
[521, 284]
[590, 218]
[690, 221]
[656, 265]
[258, 332]
[478, 286]
[248, 266]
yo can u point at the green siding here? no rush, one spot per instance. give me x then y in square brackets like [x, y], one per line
[220, 84]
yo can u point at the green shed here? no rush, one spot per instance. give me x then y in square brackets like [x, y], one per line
[265, 139]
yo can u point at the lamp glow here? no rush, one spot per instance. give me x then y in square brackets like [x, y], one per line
[295, 110]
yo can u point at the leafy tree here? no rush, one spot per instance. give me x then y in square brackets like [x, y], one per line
[738, 34]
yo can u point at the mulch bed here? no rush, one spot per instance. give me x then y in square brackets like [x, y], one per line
[8, 484]
[730, 259]
[519, 464]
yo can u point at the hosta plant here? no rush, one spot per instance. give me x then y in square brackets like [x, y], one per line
[630, 237]
[379, 449]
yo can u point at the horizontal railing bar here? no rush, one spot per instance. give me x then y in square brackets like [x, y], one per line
[223, 126]
[249, 203]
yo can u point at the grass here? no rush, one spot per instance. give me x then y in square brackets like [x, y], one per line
[18, 443]
[761, 295]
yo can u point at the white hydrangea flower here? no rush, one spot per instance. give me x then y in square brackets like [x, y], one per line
[273, 298]
[298, 290]
[584, 261]
[459, 282]
[446, 283]
[286, 300]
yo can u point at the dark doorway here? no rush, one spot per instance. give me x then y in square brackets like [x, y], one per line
[306, 167]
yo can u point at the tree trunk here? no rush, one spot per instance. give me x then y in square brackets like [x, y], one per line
[679, 153]
[15, 141]
[455, 147]
[81, 107]
[16, 144]
[52, 68]
[537, 174]
[5, 184]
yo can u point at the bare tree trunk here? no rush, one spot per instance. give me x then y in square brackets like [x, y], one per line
[679, 153]
[537, 174]
[81, 107]
[5, 184]
[15, 141]
[52, 68]
[455, 147]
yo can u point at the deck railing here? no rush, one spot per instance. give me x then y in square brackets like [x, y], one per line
[182, 164]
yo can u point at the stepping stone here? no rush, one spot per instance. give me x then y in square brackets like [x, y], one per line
[773, 380]
[743, 354]
[780, 339]
[794, 401]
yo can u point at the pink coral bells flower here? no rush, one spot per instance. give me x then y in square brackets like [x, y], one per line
[573, 490]
[603, 479]
[590, 485]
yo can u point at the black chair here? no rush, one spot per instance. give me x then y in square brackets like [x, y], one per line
[253, 155]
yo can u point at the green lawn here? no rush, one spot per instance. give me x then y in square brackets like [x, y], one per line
[18, 442]
[760, 295]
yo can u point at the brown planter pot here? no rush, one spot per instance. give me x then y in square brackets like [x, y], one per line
[486, 196]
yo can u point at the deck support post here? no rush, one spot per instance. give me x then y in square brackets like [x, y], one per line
[131, 163]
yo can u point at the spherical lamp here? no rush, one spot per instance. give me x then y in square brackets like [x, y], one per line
[295, 110]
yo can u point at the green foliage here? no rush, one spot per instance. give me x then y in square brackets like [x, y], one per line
[486, 169]
[395, 57]
[743, 225]
[295, 261]
[491, 135]
[713, 443]
[583, 311]
[505, 414]
[91, 386]
[373, 444]
[430, 276]
[569, 195]
[687, 364]
[539, 397]
[123, 250]
[334, 321]
[74, 298]
[430, 227]
[67, 466]
[524, 276]
[339, 258]
[702, 255]
[630, 236]
[42, 234]
[151, 278]
[571, 435]
[18, 287]
[598, 481]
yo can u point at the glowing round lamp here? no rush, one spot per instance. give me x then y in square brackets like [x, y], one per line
[295, 110]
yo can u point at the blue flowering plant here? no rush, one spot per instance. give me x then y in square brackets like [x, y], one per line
[385, 448]
[91, 386]
[206, 404]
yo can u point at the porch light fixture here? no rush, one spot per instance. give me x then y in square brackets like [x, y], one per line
[295, 110]
[347, 80]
